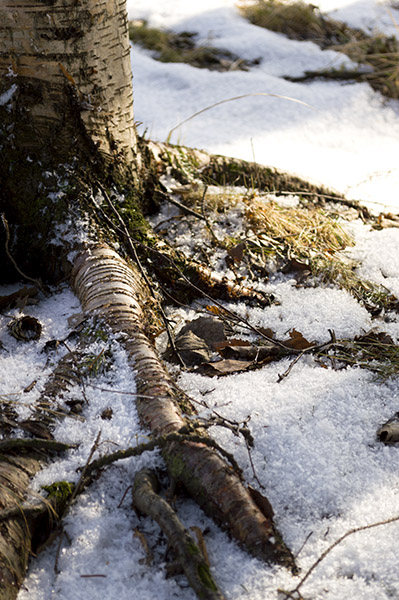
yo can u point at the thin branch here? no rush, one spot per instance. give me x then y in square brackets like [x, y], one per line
[151, 445]
[183, 207]
[124, 230]
[7, 249]
[331, 547]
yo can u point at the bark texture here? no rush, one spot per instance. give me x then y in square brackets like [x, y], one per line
[66, 61]
[15, 533]
[107, 285]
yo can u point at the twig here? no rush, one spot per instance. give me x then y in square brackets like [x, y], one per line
[314, 348]
[183, 207]
[207, 222]
[124, 230]
[75, 492]
[7, 249]
[253, 466]
[331, 547]
[151, 445]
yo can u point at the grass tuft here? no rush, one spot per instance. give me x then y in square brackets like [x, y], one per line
[379, 53]
[312, 239]
[168, 46]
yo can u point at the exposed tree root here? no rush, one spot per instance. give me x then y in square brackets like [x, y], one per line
[106, 285]
[190, 558]
[24, 527]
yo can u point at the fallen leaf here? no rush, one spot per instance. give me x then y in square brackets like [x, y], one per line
[257, 354]
[297, 341]
[235, 254]
[25, 328]
[377, 337]
[192, 349]
[230, 343]
[210, 329]
[266, 331]
[223, 367]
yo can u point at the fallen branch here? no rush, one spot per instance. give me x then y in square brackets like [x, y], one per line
[190, 557]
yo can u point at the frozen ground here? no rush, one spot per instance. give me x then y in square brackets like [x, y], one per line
[315, 451]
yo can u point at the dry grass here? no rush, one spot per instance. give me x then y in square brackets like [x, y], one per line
[168, 46]
[302, 231]
[378, 53]
[316, 240]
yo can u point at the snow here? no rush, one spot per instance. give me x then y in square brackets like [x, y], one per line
[347, 137]
[316, 452]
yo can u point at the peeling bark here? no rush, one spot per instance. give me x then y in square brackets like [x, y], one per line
[107, 285]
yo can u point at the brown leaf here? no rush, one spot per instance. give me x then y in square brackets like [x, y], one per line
[295, 265]
[236, 253]
[372, 336]
[229, 343]
[209, 329]
[267, 332]
[223, 367]
[297, 341]
[192, 349]
[25, 328]
[215, 310]
[259, 354]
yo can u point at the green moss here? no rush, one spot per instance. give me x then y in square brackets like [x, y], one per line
[176, 466]
[205, 576]
[59, 493]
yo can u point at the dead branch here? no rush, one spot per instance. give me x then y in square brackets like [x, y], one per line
[191, 559]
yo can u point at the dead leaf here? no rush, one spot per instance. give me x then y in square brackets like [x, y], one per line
[223, 367]
[230, 343]
[25, 328]
[107, 414]
[209, 329]
[266, 331]
[297, 341]
[215, 310]
[192, 349]
[295, 265]
[376, 337]
[235, 254]
[252, 353]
